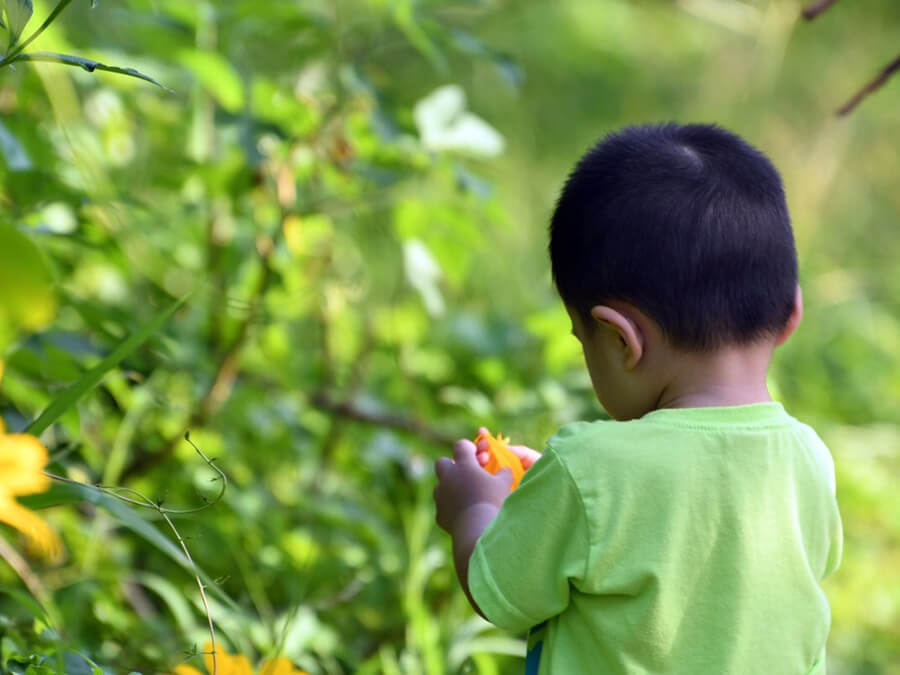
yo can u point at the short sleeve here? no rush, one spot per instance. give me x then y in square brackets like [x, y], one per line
[836, 545]
[835, 531]
[522, 566]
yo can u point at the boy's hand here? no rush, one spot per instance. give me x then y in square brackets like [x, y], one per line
[525, 454]
[463, 484]
[467, 498]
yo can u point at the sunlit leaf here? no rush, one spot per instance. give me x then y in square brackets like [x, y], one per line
[217, 75]
[445, 124]
[18, 14]
[26, 290]
[423, 273]
[88, 64]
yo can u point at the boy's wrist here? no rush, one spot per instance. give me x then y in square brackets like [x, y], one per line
[472, 520]
[468, 526]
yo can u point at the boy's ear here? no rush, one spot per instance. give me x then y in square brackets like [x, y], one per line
[794, 319]
[630, 335]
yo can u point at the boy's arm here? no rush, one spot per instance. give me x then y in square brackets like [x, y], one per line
[469, 527]
[467, 499]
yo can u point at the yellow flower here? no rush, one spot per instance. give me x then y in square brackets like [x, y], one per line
[237, 664]
[22, 460]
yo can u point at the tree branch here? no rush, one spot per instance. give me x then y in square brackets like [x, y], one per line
[226, 372]
[813, 10]
[348, 410]
[871, 87]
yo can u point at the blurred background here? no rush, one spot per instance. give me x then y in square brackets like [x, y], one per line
[354, 194]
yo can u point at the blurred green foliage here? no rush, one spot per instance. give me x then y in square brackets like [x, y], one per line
[355, 194]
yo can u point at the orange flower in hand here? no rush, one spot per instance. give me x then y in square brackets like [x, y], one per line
[501, 457]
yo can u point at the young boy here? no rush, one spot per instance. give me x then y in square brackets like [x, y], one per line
[689, 535]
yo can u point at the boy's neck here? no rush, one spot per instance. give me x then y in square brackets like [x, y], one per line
[727, 377]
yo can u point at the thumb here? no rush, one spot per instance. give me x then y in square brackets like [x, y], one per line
[507, 475]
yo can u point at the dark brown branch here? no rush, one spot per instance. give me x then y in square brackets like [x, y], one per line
[411, 425]
[871, 87]
[226, 372]
[810, 12]
[353, 387]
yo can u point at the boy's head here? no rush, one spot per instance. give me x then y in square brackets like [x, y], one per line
[682, 226]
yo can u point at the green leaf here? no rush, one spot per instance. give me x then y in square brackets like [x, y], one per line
[28, 602]
[89, 65]
[405, 19]
[59, 494]
[68, 397]
[172, 596]
[217, 75]
[28, 298]
[18, 14]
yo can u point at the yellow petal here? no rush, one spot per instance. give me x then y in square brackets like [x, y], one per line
[208, 658]
[279, 666]
[240, 665]
[22, 460]
[186, 670]
[41, 538]
[226, 664]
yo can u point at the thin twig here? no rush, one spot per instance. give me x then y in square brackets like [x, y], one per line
[350, 411]
[871, 87]
[212, 630]
[810, 12]
[143, 501]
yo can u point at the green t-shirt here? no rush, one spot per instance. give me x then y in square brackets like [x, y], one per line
[690, 541]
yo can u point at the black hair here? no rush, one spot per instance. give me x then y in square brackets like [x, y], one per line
[689, 224]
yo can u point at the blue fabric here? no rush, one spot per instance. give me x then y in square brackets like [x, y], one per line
[535, 646]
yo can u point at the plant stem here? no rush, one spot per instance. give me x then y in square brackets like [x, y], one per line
[52, 16]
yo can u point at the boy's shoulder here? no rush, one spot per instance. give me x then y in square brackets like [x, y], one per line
[607, 443]
[653, 441]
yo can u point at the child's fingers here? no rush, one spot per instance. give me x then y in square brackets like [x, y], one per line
[441, 466]
[526, 455]
[464, 452]
[483, 430]
[482, 456]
